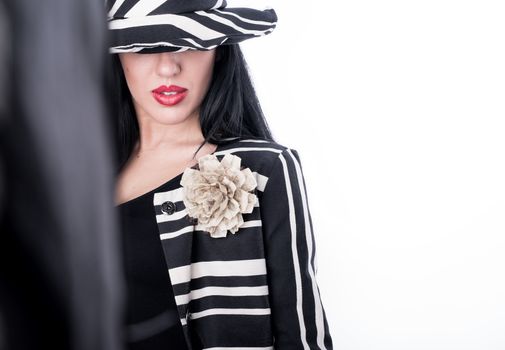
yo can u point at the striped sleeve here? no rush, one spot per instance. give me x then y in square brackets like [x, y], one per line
[299, 320]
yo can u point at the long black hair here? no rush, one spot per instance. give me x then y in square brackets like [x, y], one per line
[229, 109]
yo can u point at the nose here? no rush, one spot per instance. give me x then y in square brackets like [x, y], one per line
[168, 64]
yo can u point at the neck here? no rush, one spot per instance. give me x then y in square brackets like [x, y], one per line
[157, 136]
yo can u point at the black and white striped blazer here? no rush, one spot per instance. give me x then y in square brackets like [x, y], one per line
[255, 289]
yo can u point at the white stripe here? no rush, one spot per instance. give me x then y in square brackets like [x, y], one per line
[185, 273]
[115, 7]
[246, 20]
[294, 251]
[187, 229]
[192, 42]
[135, 47]
[258, 141]
[229, 23]
[251, 223]
[184, 23]
[310, 249]
[183, 321]
[248, 149]
[237, 348]
[226, 291]
[191, 228]
[143, 7]
[121, 50]
[230, 138]
[261, 180]
[172, 195]
[174, 217]
[218, 4]
[211, 312]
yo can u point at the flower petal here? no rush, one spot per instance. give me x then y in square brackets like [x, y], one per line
[219, 234]
[208, 163]
[250, 181]
[217, 193]
[188, 177]
[231, 161]
[252, 198]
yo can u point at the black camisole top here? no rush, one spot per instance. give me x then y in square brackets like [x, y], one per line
[151, 319]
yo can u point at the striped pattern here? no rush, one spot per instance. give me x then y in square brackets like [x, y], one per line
[255, 289]
[142, 25]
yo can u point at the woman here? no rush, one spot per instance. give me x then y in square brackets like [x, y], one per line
[203, 191]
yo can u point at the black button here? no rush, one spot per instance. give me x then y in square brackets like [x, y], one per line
[168, 207]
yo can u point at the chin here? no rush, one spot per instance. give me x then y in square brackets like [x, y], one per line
[171, 118]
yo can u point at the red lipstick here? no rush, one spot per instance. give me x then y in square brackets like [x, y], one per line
[169, 95]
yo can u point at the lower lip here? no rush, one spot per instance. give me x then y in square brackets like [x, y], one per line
[169, 100]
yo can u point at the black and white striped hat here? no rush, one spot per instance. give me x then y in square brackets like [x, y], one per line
[180, 25]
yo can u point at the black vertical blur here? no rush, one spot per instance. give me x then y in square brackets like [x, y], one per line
[61, 284]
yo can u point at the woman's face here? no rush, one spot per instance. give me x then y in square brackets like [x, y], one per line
[168, 87]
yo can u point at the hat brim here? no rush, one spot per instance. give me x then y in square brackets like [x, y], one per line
[200, 30]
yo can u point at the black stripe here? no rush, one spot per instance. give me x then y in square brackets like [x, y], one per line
[150, 34]
[238, 330]
[245, 244]
[229, 302]
[254, 215]
[280, 265]
[175, 225]
[235, 281]
[179, 206]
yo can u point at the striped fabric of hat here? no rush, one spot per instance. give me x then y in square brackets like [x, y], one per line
[180, 25]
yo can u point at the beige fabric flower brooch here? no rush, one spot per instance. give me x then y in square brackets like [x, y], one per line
[217, 193]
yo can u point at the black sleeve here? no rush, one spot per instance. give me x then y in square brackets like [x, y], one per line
[299, 320]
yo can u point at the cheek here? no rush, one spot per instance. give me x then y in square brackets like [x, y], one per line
[134, 68]
[204, 70]
[130, 74]
[130, 81]
[134, 80]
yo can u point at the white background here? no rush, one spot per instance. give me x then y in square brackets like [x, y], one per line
[397, 109]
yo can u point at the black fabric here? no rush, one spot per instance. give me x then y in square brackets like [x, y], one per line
[151, 314]
[60, 285]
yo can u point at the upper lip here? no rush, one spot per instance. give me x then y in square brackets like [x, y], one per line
[171, 88]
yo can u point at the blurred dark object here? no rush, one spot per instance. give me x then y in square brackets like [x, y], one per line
[60, 277]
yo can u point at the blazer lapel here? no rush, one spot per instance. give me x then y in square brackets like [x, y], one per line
[176, 235]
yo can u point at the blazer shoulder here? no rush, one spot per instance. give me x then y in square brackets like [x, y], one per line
[254, 145]
[257, 153]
